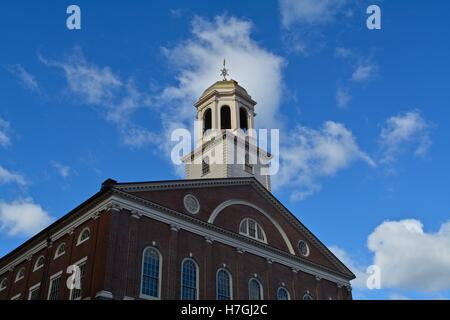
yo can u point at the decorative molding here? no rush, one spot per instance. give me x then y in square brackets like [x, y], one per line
[240, 250]
[295, 270]
[318, 278]
[136, 214]
[269, 261]
[174, 227]
[228, 203]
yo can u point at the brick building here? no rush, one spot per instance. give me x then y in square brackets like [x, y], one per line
[220, 234]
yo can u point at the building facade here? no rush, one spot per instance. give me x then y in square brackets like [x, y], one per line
[220, 234]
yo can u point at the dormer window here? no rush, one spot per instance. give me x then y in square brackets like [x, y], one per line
[252, 229]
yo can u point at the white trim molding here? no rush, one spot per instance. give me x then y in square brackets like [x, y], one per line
[228, 203]
[79, 240]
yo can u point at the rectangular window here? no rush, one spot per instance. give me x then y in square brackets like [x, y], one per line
[53, 291]
[34, 293]
[76, 294]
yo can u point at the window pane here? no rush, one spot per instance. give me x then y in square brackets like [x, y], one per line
[252, 228]
[189, 280]
[282, 294]
[54, 289]
[34, 295]
[78, 293]
[243, 228]
[254, 289]
[223, 285]
[150, 273]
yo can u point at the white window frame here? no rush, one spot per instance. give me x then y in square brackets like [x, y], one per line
[217, 282]
[144, 296]
[16, 297]
[247, 233]
[307, 248]
[79, 241]
[77, 264]
[53, 277]
[36, 267]
[30, 291]
[287, 291]
[307, 294]
[261, 288]
[3, 284]
[18, 278]
[57, 255]
[197, 278]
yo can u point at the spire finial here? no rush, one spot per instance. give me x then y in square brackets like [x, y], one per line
[224, 71]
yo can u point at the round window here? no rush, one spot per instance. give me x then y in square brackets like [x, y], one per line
[303, 248]
[191, 204]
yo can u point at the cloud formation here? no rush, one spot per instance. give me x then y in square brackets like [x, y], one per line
[411, 258]
[364, 72]
[26, 78]
[309, 154]
[22, 217]
[5, 139]
[7, 176]
[101, 87]
[63, 170]
[314, 12]
[403, 132]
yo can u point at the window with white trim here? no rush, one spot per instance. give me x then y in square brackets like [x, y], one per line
[20, 274]
[151, 274]
[60, 250]
[34, 292]
[55, 286]
[3, 284]
[84, 236]
[283, 294]
[255, 289]
[77, 293]
[189, 280]
[303, 248]
[39, 263]
[223, 283]
[252, 229]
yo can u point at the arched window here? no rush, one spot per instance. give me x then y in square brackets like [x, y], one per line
[151, 274]
[60, 250]
[3, 284]
[84, 236]
[223, 282]
[243, 119]
[255, 290]
[252, 229]
[20, 274]
[225, 117]
[39, 263]
[283, 294]
[307, 296]
[207, 120]
[189, 280]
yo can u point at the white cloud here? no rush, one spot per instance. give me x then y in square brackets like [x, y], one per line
[364, 72]
[311, 11]
[22, 217]
[101, 87]
[5, 140]
[63, 170]
[402, 132]
[410, 258]
[24, 76]
[198, 59]
[343, 53]
[343, 97]
[7, 176]
[308, 154]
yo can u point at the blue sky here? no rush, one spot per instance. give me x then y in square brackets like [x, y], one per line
[363, 112]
